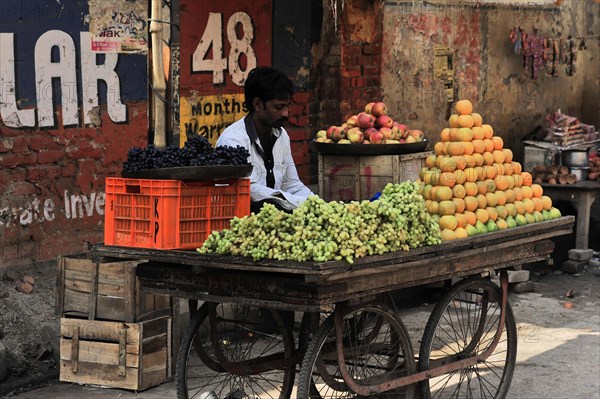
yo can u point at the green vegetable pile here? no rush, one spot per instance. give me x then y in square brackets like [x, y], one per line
[322, 231]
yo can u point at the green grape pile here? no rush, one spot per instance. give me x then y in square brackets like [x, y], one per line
[322, 231]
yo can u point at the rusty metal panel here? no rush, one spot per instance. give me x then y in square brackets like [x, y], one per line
[221, 41]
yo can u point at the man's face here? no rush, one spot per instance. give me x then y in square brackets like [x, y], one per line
[274, 113]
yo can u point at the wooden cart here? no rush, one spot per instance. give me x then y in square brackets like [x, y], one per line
[247, 340]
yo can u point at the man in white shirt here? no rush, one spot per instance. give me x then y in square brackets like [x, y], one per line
[274, 178]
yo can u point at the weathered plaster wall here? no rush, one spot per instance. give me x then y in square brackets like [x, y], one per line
[486, 69]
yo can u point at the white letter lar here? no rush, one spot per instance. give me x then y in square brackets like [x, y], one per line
[65, 69]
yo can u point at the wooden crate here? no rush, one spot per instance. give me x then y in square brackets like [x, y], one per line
[343, 178]
[105, 289]
[133, 356]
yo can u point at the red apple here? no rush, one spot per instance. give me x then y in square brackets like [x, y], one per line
[331, 130]
[344, 141]
[338, 135]
[352, 121]
[366, 142]
[411, 139]
[379, 109]
[387, 133]
[365, 120]
[355, 135]
[417, 134]
[384, 121]
[368, 107]
[377, 138]
[367, 132]
[400, 129]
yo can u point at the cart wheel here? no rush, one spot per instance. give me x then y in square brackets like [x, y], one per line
[377, 348]
[463, 324]
[234, 355]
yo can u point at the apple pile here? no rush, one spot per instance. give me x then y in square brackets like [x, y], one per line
[471, 184]
[372, 126]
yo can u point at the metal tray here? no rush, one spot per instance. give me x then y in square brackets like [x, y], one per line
[368, 149]
[193, 173]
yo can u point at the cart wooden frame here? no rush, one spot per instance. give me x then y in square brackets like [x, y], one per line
[349, 289]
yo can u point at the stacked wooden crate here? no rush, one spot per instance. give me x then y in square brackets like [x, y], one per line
[111, 333]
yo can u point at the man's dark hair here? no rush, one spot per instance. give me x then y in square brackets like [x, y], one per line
[267, 83]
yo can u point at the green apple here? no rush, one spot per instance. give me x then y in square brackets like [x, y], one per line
[491, 226]
[481, 229]
[546, 215]
[510, 221]
[471, 230]
[520, 219]
[537, 215]
[529, 218]
[555, 213]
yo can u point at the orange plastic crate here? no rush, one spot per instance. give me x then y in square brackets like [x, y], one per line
[170, 214]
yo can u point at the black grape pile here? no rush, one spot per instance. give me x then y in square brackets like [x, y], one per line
[322, 231]
[197, 151]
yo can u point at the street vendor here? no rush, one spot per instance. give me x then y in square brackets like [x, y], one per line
[274, 178]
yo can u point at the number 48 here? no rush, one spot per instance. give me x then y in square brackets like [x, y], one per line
[212, 37]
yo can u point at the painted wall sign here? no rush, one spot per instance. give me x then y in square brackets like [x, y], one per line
[220, 43]
[46, 61]
[118, 26]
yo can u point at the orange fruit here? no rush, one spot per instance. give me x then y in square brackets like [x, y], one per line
[510, 195]
[433, 207]
[527, 179]
[508, 168]
[441, 193]
[461, 177]
[491, 185]
[529, 205]
[508, 155]
[458, 191]
[470, 187]
[481, 200]
[500, 197]
[447, 179]
[538, 204]
[488, 131]
[460, 162]
[477, 119]
[446, 164]
[511, 182]
[520, 207]
[446, 208]
[465, 121]
[455, 148]
[492, 212]
[430, 161]
[448, 222]
[469, 159]
[478, 159]
[518, 193]
[478, 132]
[498, 156]
[461, 219]
[537, 190]
[498, 142]
[490, 171]
[547, 202]
[478, 146]
[460, 232]
[452, 134]
[491, 199]
[453, 120]
[489, 145]
[448, 235]
[469, 148]
[480, 172]
[501, 182]
[471, 203]
[459, 205]
[499, 169]
[502, 211]
[488, 158]
[464, 134]
[437, 148]
[501, 223]
[445, 134]
[471, 217]
[527, 192]
[470, 174]
[464, 107]
[482, 215]
[517, 168]
[518, 179]
[481, 186]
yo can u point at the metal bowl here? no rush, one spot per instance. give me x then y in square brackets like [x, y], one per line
[580, 173]
[576, 158]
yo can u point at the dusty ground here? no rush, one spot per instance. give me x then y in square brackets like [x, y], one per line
[558, 354]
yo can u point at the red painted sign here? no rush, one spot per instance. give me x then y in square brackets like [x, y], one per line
[221, 41]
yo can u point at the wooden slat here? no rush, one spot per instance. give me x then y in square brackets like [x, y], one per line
[60, 288]
[101, 374]
[98, 352]
[98, 330]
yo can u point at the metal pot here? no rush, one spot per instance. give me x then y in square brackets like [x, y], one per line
[576, 158]
[580, 173]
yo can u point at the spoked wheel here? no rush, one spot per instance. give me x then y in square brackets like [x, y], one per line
[376, 349]
[463, 324]
[236, 351]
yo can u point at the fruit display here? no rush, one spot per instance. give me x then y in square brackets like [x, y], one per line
[197, 151]
[471, 184]
[371, 126]
[594, 171]
[321, 231]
